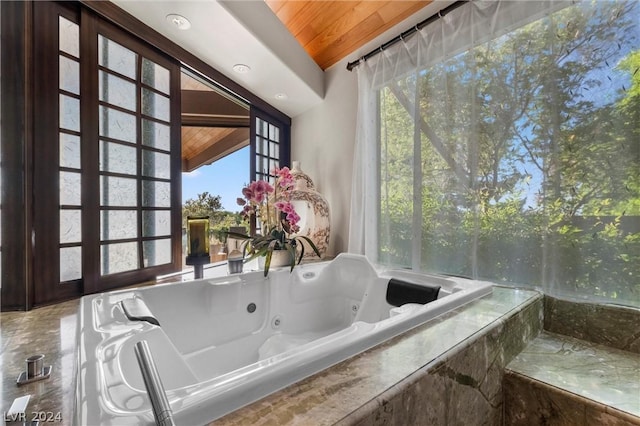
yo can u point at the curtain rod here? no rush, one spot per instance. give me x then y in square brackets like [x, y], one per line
[417, 27]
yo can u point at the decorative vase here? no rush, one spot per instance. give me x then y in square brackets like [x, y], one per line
[279, 258]
[313, 210]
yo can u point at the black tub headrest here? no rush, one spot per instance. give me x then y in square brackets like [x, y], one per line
[401, 292]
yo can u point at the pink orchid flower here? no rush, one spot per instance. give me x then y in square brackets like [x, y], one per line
[285, 179]
[247, 192]
[293, 218]
[261, 186]
[284, 206]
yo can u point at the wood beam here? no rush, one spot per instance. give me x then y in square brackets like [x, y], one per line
[210, 103]
[230, 143]
[196, 120]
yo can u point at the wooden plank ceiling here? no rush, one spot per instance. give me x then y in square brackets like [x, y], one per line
[212, 125]
[331, 30]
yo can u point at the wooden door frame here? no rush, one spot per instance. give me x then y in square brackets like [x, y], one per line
[16, 154]
[18, 124]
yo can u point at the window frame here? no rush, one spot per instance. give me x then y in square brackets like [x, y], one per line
[257, 115]
[47, 287]
[19, 124]
[550, 256]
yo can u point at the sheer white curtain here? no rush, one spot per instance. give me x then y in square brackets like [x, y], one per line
[485, 144]
[456, 31]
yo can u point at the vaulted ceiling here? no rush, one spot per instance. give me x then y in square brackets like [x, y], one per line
[282, 48]
[330, 30]
[228, 32]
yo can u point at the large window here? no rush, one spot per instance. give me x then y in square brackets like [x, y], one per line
[515, 156]
[135, 166]
[106, 160]
[91, 147]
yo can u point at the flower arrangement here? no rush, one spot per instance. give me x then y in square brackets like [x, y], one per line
[271, 205]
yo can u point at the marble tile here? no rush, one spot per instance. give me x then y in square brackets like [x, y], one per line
[528, 403]
[48, 330]
[9, 327]
[608, 376]
[394, 380]
[462, 388]
[531, 402]
[375, 384]
[615, 326]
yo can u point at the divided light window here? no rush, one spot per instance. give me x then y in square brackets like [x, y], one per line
[270, 147]
[267, 149]
[135, 166]
[516, 157]
[69, 138]
[107, 212]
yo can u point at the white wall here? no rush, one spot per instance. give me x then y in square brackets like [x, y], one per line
[323, 138]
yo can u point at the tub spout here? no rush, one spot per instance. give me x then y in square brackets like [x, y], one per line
[159, 402]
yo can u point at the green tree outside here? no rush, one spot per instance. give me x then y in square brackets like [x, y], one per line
[529, 169]
[220, 220]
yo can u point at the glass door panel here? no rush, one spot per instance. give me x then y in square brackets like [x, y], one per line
[69, 145]
[270, 148]
[106, 210]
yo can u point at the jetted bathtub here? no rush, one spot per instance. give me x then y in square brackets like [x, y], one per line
[223, 343]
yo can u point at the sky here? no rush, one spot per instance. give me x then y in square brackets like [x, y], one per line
[225, 177]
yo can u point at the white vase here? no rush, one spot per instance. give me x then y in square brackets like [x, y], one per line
[279, 258]
[313, 210]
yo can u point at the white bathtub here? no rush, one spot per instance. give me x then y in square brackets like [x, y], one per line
[214, 356]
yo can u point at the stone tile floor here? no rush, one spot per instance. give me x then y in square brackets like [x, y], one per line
[51, 331]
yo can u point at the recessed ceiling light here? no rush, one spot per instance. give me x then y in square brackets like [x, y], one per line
[241, 68]
[179, 21]
[281, 96]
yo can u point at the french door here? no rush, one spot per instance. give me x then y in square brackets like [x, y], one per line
[106, 166]
[270, 147]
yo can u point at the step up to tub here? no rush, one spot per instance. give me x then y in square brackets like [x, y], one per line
[560, 380]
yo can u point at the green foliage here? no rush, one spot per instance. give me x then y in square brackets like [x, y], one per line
[204, 205]
[209, 205]
[264, 245]
[225, 221]
[528, 158]
[631, 65]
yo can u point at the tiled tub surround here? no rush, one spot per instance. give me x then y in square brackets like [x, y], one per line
[611, 325]
[447, 371]
[247, 336]
[563, 380]
[366, 386]
[583, 370]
